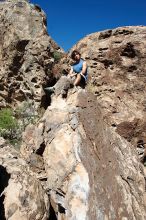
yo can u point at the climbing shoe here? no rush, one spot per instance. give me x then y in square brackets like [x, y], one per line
[50, 89]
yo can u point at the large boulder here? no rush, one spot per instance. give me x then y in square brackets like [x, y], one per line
[117, 72]
[27, 54]
[92, 172]
[21, 194]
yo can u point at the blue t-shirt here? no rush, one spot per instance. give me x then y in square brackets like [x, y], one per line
[77, 68]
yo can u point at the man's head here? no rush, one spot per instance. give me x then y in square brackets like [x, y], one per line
[75, 55]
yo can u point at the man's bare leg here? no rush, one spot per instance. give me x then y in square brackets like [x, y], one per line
[77, 80]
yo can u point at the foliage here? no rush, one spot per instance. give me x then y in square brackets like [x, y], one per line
[8, 124]
[57, 56]
[26, 114]
[13, 123]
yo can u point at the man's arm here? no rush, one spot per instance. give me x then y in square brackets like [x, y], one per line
[71, 73]
[84, 69]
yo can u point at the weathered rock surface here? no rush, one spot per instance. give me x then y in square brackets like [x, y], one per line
[21, 194]
[92, 172]
[117, 61]
[88, 170]
[27, 53]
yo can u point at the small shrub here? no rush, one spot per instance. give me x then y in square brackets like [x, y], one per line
[16, 143]
[57, 56]
[8, 124]
[12, 124]
[26, 115]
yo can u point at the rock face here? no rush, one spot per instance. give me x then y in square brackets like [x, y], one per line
[92, 172]
[117, 76]
[22, 196]
[87, 169]
[27, 53]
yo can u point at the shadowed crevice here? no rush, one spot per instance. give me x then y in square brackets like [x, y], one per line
[46, 98]
[4, 178]
[52, 215]
[40, 151]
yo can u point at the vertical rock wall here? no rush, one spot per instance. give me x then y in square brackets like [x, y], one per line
[26, 53]
[117, 76]
[92, 172]
[22, 195]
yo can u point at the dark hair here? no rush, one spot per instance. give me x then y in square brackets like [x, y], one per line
[74, 53]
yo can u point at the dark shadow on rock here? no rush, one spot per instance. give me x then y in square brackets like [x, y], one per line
[45, 101]
[52, 214]
[4, 178]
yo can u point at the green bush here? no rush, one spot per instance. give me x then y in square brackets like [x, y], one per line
[26, 114]
[57, 56]
[13, 123]
[8, 124]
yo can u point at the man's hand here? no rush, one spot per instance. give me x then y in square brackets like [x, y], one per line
[72, 74]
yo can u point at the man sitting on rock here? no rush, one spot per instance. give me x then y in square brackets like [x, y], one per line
[78, 73]
[79, 69]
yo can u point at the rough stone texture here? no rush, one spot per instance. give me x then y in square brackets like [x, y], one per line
[27, 54]
[88, 170]
[92, 172]
[117, 68]
[22, 196]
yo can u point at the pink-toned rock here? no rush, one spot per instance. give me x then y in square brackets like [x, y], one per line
[92, 172]
[117, 69]
[22, 195]
[27, 54]
[74, 152]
